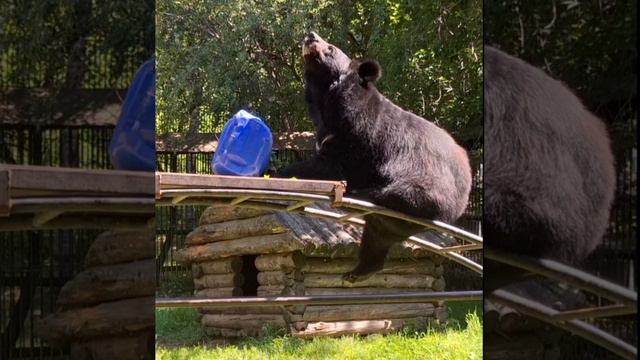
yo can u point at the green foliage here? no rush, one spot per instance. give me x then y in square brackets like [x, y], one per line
[215, 57]
[73, 44]
[590, 45]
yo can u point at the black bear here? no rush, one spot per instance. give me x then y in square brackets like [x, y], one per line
[549, 173]
[388, 156]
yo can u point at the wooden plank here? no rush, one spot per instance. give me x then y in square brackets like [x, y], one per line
[177, 180]
[46, 178]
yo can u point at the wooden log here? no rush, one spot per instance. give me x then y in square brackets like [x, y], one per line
[215, 281]
[107, 283]
[273, 262]
[491, 317]
[366, 312]
[219, 292]
[341, 266]
[363, 290]
[242, 310]
[235, 229]
[121, 246]
[267, 244]
[438, 284]
[438, 271]
[441, 314]
[279, 277]
[232, 333]
[294, 289]
[509, 319]
[220, 213]
[234, 321]
[363, 327]
[222, 266]
[137, 345]
[377, 280]
[112, 318]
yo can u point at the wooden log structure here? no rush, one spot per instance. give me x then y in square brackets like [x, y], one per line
[376, 280]
[275, 262]
[219, 292]
[262, 225]
[109, 318]
[341, 266]
[214, 281]
[279, 277]
[269, 244]
[222, 212]
[107, 283]
[222, 266]
[238, 321]
[297, 256]
[121, 246]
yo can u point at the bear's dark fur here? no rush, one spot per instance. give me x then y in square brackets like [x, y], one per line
[387, 155]
[549, 173]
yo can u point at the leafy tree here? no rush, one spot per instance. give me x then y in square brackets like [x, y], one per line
[215, 57]
[590, 45]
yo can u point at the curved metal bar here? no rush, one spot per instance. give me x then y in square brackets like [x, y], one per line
[567, 274]
[578, 327]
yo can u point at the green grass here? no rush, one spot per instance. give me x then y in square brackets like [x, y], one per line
[178, 326]
[460, 339]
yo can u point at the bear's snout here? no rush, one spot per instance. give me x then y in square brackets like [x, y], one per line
[313, 46]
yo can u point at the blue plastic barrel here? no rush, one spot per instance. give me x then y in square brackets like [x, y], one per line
[244, 147]
[133, 144]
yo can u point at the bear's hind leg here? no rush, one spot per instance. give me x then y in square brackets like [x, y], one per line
[379, 234]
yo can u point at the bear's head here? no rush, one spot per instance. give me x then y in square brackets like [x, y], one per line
[323, 65]
[323, 62]
[353, 97]
[358, 82]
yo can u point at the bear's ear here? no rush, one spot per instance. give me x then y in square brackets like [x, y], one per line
[369, 71]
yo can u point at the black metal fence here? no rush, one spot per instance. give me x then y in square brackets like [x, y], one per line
[34, 265]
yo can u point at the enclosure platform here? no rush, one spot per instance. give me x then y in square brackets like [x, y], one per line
[299, 196]
[41, 197]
